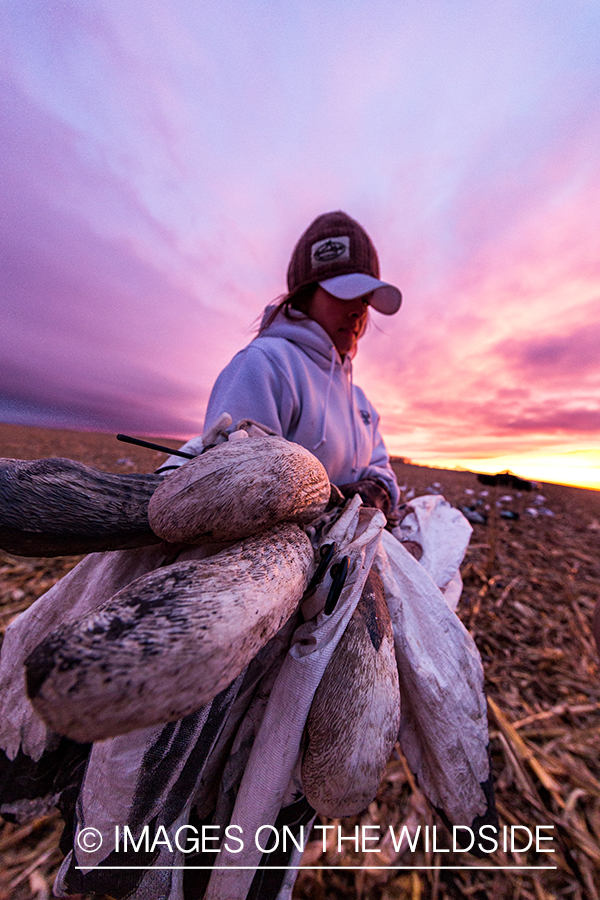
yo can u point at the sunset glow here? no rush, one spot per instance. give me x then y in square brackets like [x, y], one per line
[159, 161]
[579, 469]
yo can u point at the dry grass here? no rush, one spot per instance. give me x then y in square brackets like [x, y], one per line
[530, 588]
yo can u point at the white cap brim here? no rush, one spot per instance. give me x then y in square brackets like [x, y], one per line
[386, 298]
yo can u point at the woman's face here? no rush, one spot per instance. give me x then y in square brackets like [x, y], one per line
[343, 320]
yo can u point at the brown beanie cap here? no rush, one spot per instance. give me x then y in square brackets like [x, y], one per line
[333, 245]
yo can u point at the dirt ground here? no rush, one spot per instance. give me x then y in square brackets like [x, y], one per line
[530, 586]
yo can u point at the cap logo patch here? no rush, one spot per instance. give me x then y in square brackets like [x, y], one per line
[330, 249]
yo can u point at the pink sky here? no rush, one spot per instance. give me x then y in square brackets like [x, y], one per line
[158, 162]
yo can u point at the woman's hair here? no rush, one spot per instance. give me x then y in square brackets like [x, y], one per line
[298, 300]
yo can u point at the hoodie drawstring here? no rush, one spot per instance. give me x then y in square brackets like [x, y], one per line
[353, 417]
[329, 383]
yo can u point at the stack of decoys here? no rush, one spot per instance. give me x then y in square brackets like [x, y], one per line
[168, 642]
[238, 530]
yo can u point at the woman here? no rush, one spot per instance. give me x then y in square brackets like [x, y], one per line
[295, 377]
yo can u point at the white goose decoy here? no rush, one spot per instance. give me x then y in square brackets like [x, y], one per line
[57, 507]
[237, 489]
[167, 643]
[355, 714]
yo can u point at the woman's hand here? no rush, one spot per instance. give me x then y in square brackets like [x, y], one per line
[372, 493]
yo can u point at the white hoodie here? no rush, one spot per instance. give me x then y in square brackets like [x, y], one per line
[292, 379]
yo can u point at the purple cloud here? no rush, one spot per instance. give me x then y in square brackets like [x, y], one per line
[555, 357]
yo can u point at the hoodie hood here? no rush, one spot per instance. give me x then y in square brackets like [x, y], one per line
[305, 333]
